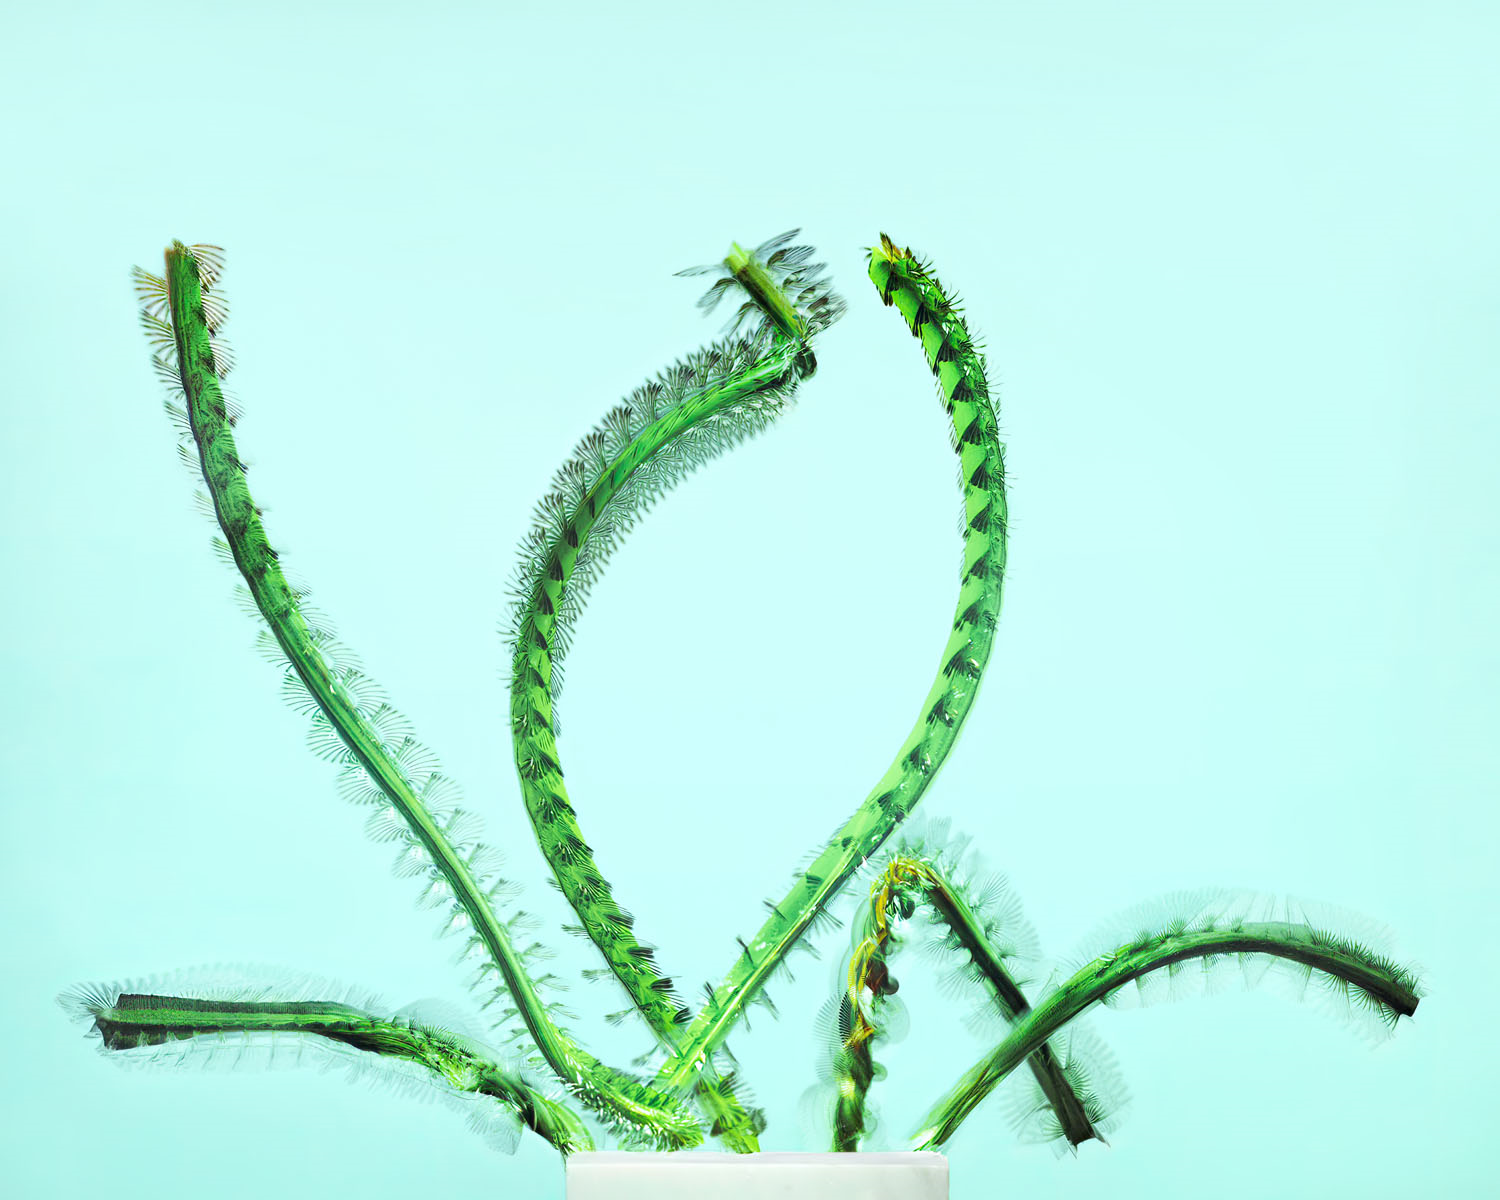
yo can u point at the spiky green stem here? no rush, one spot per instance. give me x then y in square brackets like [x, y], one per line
[146, 1020]
[904, 879]
[959, 367]
[771, 368]
[1391, 990]
[611, 1093]
[538, 762]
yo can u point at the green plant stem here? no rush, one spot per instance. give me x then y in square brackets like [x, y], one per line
[610, 1093]
[143, 1020]
[772, 371]
[959, 367]
[905, 877]
[538, 761]
[1391, 990]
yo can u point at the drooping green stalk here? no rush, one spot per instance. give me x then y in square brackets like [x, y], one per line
[696, 409]
[958, 365]
[1391, 991]
[185, 295]
[126, 1021]
[906, 881]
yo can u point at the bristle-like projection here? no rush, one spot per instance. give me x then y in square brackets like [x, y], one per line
[695, 410]
[234, 1017]
[818, 1109]
[354, 727]
[783, 290]
[1363, 978]
[737, 1118]
[958, 366]
[1086, 1067]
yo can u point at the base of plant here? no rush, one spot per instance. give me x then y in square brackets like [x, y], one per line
[692, 1175]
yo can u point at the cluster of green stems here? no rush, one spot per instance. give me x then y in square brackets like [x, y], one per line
[667, 428]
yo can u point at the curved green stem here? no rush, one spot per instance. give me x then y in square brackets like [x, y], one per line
[894, 892]
[538, 762]
[611, 1093]
[132, 1020]
[959, 367]
[1390, 989]
[723, 394]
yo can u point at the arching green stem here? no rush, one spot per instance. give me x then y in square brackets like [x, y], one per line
[538, 762]
[959, 367]
[724, 394]
[131, 1020]
[1389, 989]
[610, 1093]
[905, 881]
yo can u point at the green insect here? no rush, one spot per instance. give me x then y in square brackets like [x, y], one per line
[551, 1084]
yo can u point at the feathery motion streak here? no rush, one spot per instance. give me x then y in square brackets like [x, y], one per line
[544, 1079]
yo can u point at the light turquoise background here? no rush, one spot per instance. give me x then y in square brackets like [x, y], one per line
[1237, 269]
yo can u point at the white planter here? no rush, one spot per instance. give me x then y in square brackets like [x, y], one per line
[701, 1175]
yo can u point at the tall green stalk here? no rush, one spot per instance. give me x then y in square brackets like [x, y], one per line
[697, 409]
[185, 295]
[956, 362]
